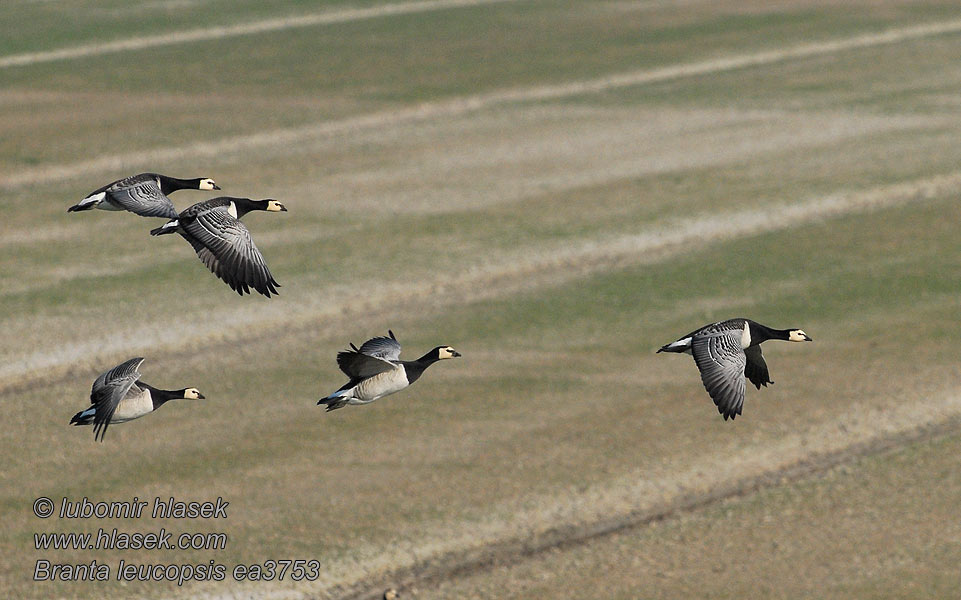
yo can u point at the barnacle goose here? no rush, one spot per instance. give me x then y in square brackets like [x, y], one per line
[728, 351]
[144, 194]
[224, 244]
[375, 370]
[118, 396]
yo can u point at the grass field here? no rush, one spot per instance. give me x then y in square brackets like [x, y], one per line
[553, 188]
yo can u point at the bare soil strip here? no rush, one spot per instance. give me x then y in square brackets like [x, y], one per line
[510, 274]
[291, 137]
[453, 565]
[228, 31]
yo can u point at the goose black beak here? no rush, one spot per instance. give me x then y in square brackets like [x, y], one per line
[201, 397]
[455, 353]
[216, 187]
[808, 338]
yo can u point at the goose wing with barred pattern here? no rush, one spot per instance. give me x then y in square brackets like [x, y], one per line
[141, 194]
[387, 348]
[109, 389]
[225, 246]
[721, 361]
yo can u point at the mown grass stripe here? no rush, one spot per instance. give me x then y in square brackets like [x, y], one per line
[229, 31]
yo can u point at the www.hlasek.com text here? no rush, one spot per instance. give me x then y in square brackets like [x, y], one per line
[113, 539]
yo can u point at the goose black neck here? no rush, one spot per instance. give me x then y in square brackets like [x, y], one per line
[760, 333]
[246, 205]
[172, 184]
[161, 397]
[429, 358]
[416, 368]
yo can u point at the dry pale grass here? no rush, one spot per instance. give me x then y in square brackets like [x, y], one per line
[539, 444]
[855, 531]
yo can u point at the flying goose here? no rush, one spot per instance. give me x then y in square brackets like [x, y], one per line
[144, 194]
[118, 396]
[223, 243]
[375, 370]
[726, 353]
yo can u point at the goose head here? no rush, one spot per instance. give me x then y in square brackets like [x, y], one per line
[798, 335]
[443, 352]
[275, 206]
[192, 394]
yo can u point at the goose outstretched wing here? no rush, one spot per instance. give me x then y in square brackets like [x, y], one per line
[357, 365]
[756, 369]
[387, 348]
[109, 389]
[225, 246]
[721, 361]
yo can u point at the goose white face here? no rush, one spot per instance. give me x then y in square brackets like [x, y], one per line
[274, 206]
[208, 184]
[391, 594]
[447, 352]
[193, 394]
[798, 335]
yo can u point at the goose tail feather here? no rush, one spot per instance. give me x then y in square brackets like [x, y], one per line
[166, 228]
[84, 417]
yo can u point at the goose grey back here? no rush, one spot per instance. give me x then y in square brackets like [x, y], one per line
[144, 194]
